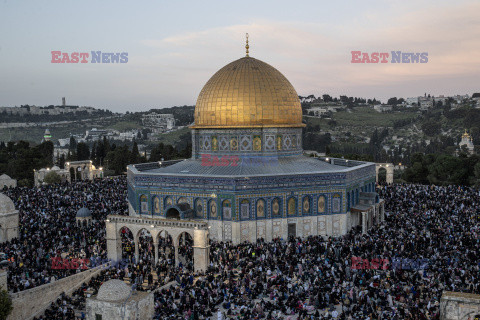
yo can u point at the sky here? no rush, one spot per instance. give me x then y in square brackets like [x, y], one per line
[174, 47]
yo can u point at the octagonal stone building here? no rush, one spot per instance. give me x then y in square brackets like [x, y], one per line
[248, 177]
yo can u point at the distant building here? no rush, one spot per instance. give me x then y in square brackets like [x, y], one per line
[413, 100]
[63, 142]
[39, 175]
[95, 134]
[468, 142]
[425, 104]
[442, 99]
[159, 122]
[83, 170]
[47, 136]
[317, 112]
[382, 108]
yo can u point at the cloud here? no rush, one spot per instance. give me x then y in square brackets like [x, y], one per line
[316, 56]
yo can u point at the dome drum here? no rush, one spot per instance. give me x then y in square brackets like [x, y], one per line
[251, 141]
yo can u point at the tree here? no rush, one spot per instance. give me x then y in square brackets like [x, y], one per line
[83, 152]
[135, 155]
[6, 306]
[52, 177]
[477, 173]
[431, 127]
[73, 143]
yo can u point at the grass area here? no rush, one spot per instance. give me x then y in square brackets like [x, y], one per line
[360, 117]
[173, 137]
[313, 121]
[125, 125]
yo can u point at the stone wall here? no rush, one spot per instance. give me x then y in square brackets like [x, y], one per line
[33, 302]
[268, 229]
[3, 279]
[459, 306]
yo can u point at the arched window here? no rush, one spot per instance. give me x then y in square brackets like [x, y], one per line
[168, 202]
[292, 206]
[156, 205]
[321, 204]
[227, 210]
[348, 201]
[182, 200]
[212, 208]
[245, 209]
[336, 203]
[276, 210]
[261, 208]
[306, 207]
[198, 208]
[143, 204]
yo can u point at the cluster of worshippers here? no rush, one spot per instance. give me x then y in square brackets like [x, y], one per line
[48, 228]
[434, 231]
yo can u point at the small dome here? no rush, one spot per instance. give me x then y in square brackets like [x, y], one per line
[114, 290]
[83, 213]
[6, 204]
[55, 168]
[5, 177]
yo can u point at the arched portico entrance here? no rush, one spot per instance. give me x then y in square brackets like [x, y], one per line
[172, 213]
[197, 231]
[179, 211]
[389, 171]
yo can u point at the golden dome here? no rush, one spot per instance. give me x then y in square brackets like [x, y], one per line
[248, 93]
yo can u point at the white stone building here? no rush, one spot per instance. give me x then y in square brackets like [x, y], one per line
[8, 219]
[468, 142]
[39, 175]
[116, 300]
[6, 181]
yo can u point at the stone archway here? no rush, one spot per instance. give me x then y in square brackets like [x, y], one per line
[172, 213]
[388, 167]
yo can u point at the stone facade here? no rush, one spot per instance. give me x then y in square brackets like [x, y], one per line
[7, 182]
[389, 167]
[39, 175]
[459, 306]
[44, 295]
[116, 300]
[8, 219]
[83, 170]
[241, 209]
[3, 279]
[247, 177]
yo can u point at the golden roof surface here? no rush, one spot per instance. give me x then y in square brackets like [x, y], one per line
[248, 93]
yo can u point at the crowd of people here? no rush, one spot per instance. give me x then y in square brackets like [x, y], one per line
[48, 228]
[309, 278]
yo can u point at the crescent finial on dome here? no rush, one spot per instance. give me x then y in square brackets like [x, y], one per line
[247, 46]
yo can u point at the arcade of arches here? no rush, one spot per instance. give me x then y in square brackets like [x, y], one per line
[183, 234]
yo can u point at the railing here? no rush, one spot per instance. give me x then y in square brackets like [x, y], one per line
[187, 224]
